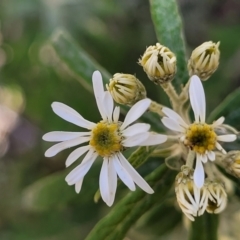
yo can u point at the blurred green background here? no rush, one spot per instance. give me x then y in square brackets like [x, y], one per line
[35, 201]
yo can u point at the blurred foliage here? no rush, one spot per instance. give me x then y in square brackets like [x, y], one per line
[35, 201]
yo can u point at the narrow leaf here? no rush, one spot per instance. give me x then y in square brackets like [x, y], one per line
[229, 108]
[168, 27]
[119, 220]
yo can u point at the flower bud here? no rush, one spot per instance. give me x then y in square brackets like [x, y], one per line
[232, 162]
[217, 197]
[204, 60]
[126, 89]
[191, 199]
[159, 63]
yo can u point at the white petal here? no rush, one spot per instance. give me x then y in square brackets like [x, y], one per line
[108, 104]
[135, 175]
[81, 170]
[204, 158]
[136, 112]
[227, 138]
[116, 114]
[78, 185]
[197, 98]
[220, 148]
[172, 124]
[59, 136]
[198, 175]
[173, 115]
[70, 115]
[135, 140]
[135, 129]
[112, 180]
[211, 155]
[55, 149]
[77, 153]
[103, 182]
[99, 92]
[154, 139]
[218, 122]
[123, 174]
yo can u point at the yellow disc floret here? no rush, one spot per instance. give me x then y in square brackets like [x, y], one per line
[106, 139]
[200, 137]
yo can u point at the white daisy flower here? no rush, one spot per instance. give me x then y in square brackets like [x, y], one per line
[198, 136]
[107, 138]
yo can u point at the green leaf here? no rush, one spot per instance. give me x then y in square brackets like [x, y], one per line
[50, 191]
[164, 215]
[204, 227]
[119, 220]
[229, 108]
[168, 27]
[78, 63]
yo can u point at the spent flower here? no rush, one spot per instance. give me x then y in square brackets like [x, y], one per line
[107, 139]
[159, 63]
[198, 136]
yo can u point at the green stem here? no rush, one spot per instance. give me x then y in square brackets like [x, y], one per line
[204, 227]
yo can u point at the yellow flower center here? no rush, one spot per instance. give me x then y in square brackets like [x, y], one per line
[106, 139]
[200, 137]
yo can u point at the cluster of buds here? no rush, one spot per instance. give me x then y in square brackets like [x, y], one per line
[126, 89]
[204, 60]
[159, 63]
[194, 201]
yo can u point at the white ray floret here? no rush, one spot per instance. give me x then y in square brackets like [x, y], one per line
[107, 138]
[189, 133]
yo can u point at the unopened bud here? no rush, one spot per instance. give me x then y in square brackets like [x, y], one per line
[126, 89]
[204, 60]
[191, 199]
[217, 197]
[159, 63]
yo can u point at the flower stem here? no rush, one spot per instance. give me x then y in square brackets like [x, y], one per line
[156, 108]
[172, 94]
[190, 159]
